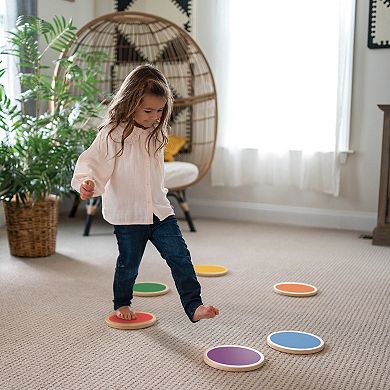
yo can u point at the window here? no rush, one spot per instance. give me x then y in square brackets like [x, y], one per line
[3, 80]
[284, 75]
[2, 23]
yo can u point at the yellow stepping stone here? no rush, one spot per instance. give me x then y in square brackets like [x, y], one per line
[210, 270]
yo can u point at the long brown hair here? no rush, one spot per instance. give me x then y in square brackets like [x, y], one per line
[145, 79]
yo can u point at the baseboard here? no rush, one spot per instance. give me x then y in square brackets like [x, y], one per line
[300, 216]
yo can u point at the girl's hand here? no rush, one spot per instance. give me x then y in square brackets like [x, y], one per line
[86, 189]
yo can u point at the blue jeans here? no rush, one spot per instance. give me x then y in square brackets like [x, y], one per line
[167, 238]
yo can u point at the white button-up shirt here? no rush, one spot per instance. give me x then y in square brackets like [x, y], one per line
[132, 184]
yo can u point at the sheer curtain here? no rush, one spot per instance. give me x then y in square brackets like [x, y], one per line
[284, 78]
[9, 12]
[8, 15]
[3, 29]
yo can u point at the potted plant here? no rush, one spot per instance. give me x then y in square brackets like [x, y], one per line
[42, 134]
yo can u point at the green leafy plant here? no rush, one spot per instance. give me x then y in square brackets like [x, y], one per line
[43, 133]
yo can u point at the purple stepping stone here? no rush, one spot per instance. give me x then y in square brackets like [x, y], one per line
[234, 356]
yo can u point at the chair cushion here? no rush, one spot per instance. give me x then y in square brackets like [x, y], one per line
[173, 147]
[179, 174]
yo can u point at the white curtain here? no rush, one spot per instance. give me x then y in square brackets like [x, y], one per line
[9, 12]
[8, 15]
[284, 77]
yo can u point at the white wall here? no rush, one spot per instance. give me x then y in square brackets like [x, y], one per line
[103, 7]
[81, 11]
[358, 200]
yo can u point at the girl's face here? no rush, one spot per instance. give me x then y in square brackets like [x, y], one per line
[150, 110]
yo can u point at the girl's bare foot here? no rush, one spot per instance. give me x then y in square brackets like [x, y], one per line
[125, 313]
[203, 312]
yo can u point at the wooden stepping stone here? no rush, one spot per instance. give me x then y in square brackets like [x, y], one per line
[296, 342]
[143, 320]
[233, 358]
[149, 289]
[210, 270]
[294, 289]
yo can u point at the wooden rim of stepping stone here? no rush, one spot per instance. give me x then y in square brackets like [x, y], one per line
[233, 358]
[143, 320]
[149, 289]
[210, 270]
[295, 289]
[295, 342]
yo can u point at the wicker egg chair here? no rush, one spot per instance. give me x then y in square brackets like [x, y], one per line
[131, 39]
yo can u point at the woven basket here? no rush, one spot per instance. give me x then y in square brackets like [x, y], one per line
[32, 230]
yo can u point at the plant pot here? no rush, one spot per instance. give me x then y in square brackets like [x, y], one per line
[32, 229]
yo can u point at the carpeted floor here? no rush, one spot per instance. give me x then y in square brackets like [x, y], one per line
[53, 334]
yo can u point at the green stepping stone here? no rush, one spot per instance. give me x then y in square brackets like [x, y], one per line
[149, 289]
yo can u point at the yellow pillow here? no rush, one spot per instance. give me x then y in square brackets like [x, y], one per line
[173, 147]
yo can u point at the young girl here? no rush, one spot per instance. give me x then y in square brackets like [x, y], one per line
[125, 164]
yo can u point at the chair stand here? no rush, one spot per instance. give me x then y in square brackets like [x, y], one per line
[94, 203]
[180, 196]
[75, 206]
[92, 206]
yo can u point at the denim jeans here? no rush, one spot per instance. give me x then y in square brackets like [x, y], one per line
[166, 236]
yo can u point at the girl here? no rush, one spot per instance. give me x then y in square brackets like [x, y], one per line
[125, 165]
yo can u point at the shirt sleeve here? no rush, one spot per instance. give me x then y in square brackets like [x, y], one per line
[96, 163]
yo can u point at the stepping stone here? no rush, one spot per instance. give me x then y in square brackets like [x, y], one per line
[294, 289]
[233, 358]
[296, 342]
[149, 289]
[210, 270]
[143, 320]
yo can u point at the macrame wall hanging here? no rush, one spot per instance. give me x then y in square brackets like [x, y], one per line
[179, 10]
[379, 24]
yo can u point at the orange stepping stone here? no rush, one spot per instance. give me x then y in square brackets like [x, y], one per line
[294, 289]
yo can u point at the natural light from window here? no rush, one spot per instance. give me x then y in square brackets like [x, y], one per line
[282, 76]
[2, 38]
[2, 23]
[2, 43]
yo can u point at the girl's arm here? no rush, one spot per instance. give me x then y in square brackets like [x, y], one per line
[95, 164]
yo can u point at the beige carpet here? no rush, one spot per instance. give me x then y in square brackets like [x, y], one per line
[53, 334]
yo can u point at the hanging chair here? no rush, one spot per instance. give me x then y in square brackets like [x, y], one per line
[131, 39]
